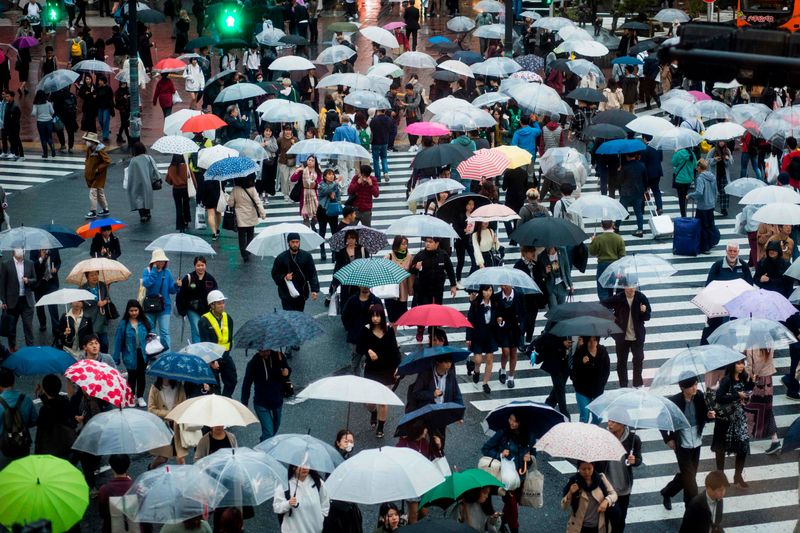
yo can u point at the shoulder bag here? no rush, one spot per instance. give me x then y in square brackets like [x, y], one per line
[297, 190]
[154, 303]
[229, 219]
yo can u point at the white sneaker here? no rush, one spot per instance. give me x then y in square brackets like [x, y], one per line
[140, 402]
[459, 285]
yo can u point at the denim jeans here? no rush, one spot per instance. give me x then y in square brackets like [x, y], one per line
[270, 420]
[104, 118]
[583, 411]
[159, 323]
[45, 130]
[194, 320]
[602, 292]
[380, 160]
[638, 209]
[753, 161]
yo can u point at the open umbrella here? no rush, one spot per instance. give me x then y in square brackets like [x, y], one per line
[334, 54]
[770, 194]
[585, 326]
[355, 81]
[669, 16]
[199, 42]
[517, 157]
[424, 358]
[208, 156]
[111, 271]
[181, 243]
[202, 122]
[208, 351]
[742, 186]
[385, 69]
[448, 103]
[429, 129]
[433, 315]
[580, 441]
[65, 297]
[708, 109]
[636, 270]
[676, 138]
[90, 229]
[650, 125]
[66, 236]
[626, 60]
[170, 64]
[455, 206]
[723, 131]
[367, 100]
[584, 67]
[378, 35]
[128, 431]
[250, 477]
[350, 389]
[42, 487]
[278, 110]
[760, 304]
[28, 239]
[371, 272]
[498, 67]
[238, 92]
[460, 24]
[455, 485]
[586, 94]
[692, 362]
[548, 231]
[181, 367]
[604, 131]
[301, 450]
[639, 409]
[384, 474]
[749, 333]
[100, 381]
[441, 155]
[675, 106]
[778, 213]
[248, 148]
[485, 163]
[422, 226]
[277, 330]
[536, 418]
[175, 144]
[464, 119]
[598, 207]
[372, 240]
[231, 168]
[150, 16]
[579, 309]
[415, 60]
[493, 213]
[583, 47]
[457, 67]
[57, 80]
[211, 410]
[497, 276]
[38, 360]
[467, 56]
[489, 6]
[712, 298]
[617, 117]
[621, 146]
[271, 241]
[93, 66]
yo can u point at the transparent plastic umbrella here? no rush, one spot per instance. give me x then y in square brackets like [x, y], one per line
[422, 226]
[574, 32]
[713, 297]
[498, 67]
[250, 477]
[209, 351]
[309, 146]
[637, 270]
[489, 99]
[757, 112]
[127, 430]
[448, 103]
[680, 94]
[708, 109]
[208, 156]
[367, 100]
[465, 119]
[271, 241]
[385, 69]
[302, 450]
[28, 239]
[560, 157]
[774, 127]
[490, 6]
[57, 80]
[584, 67]
[415, 60]
[537, 98]
[248, 148]
[639, 409]
[460, 24]
[288, 63]
[676, 139]
[770, 194]
[462, 69]
[433, 187]
[750, 333]
[583, 47]
[552, 23]
[692, 362]
[760, 304]
[282, 111]
[491, 31]
[171, 494]
[742, 186]
[675, 106]
[239, 91]
[378, 35]
[334, 54]
[345, 149]
[533, 15]
[356, 81]
[497, 276]
[669, 15]
[598, 207]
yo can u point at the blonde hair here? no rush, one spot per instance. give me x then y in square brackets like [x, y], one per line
[532, 194]
[702, 164]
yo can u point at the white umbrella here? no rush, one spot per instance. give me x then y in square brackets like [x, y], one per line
[708, 109]
[537, 98]
[367, 100]
[460, 24]
[599, 207]
[465, 119]
[271, 241]
[649, 125]
[583, 47]
[248, 148]
[351, 389]
[433, 187]
[675, 106]
[385, 69]
[181, 243]
[498, 67]
[422, 226]
[676, 139]
[771, 194]
[742, 186]
[270, 36]
[552, 23]
[490, 6]
[669, 16]
[175, 144]
[378, 35]
[381, 475]
[92, 65]
[462, 69]
[208, 156]
[288, 63]
[776, 213]
[681, 94]
[415, 60]
[723, 131]
[725, 85]
[533, 15]
[122, 431]
[309, 146]
[448, 103]
[491, 31]
[239, 91]
[212, 410]
[278, 110]
[173, 123]
[585, 442]
[356, 81]
[334, 54]
[574, 33]
[713, 297]
[489, 99]
[65, 297]
[346, 149]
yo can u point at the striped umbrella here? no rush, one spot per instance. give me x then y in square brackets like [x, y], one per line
[484, 164]
[372, 272]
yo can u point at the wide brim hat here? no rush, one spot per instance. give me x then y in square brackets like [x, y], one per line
[91, 136]
[158, 255]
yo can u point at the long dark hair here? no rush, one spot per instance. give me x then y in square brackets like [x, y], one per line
[377, 309]
[141, 318]
[40, 97]
[177, 159]
[472, 496]
[313, 473]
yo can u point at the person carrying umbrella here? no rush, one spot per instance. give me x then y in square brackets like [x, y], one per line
[97, 310]
[510, 312]
[116, 487]
[295, 275]
[631, 310]
[17, 282]
[46, 264]
[588, 495]
[343, 517]
[553, 352]
[431, 267]
[555, 270]
[302, 508]
[769, 271]
[731, 435]
[620, 474]
[591, 367]
[388, 518]
[214, 440]
[158, 283]
[72, 327]
[378, 345]
[217, 326]
[420, 438]
[55, 432]
[164, 396]
[105, 244]
[632, 190]
[528, 264]
[130, 341]
[192, 297]
[608, 246]
[95, 170]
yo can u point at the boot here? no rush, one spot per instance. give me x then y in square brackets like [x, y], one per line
[322, 252]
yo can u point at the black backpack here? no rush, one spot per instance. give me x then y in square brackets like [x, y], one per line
[16, 439]
[794, 168]
[331, 123]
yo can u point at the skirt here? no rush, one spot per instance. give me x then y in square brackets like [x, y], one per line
[760, 416]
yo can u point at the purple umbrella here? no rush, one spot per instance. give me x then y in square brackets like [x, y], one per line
[761, 304]
[25, 42]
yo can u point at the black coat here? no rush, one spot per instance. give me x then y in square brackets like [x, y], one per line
[112, 247]
[39, 268]
[436, 269]
[411, 18]
[700, 414]
[420, 393]
[533, 301]
[590, 378]
[740, 271]
[193, 294]
[553, 354]
[55, 431]
[301, 265]
[9, 284]
[697, 516]
[512, 315]
[634, 179]
[515, 183]
[83, 329]
[619, 304]
[355, 315]
[774, 269]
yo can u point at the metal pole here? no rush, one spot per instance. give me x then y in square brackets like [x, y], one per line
[710, 11]
[133, 68]
[509, 37]
[552, 8]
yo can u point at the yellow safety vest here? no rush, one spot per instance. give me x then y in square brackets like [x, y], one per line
[223, 333]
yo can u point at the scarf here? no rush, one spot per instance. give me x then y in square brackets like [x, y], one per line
[400, 255]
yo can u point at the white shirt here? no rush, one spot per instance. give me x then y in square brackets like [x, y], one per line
[441, 384]
[313, 506]
[252, 60]
[20, 266]
[195, 80]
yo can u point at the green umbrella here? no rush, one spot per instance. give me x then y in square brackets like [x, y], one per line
[341, 27]
[42, 487]
[199, 42]
[454, 486]
[372, 272]
[296, 40]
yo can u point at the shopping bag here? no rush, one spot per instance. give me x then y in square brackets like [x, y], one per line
[190, 188]
[153, 346]
[391, 292]
[509, 476]
[443, 466]
[293, 292]
[200, 217]
[533, 489]
[125, 179]
[176, 98]
[771, 169]
[490, 465]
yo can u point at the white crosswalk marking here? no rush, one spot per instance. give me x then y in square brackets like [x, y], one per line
[675, 323]
[18, 175]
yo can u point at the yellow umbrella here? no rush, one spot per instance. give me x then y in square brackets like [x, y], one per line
[518, 157]
[110, 271]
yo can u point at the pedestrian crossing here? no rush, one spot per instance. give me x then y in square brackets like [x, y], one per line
[20, 175]
[771, 502]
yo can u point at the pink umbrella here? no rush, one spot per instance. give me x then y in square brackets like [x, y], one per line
[484, 164]
[699, 96]
[494, 213]
[394, 25]
[427, 129]
[527, 76]
[581, 441]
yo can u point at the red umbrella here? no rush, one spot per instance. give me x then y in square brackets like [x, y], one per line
[87, 231]
[484, 164]
[101, 381]
[170, 64]
[202, 123]
[433, 315]
[699, 96]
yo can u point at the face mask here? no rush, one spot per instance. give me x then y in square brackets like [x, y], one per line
[553, 257]
[349, 448]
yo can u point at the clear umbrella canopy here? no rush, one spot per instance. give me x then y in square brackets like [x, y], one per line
[692, 362]
[250, 477]
[637, 270]
[751, 333]
[639, 409]
[123, 431]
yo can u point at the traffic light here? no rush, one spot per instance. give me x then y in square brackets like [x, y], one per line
[52, 12]
[229, 19]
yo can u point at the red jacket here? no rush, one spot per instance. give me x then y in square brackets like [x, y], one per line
[363, 193]
[785, 166]
[163, 92]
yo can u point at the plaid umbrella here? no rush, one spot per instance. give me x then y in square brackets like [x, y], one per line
[277, 330]
[101, 381]
[484, 164]
[531, 62]
[371, 239]
[230, 168]
[372, 272]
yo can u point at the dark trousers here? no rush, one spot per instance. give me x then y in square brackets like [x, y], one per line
[638, 209]
[104, 7]
[529, 321]
[653, 184]
[89, 463]
[183, 215]
[738, 466]
[14, 142]
[294, 304]
[618, 522]
[136, 377]
[685, 479]
[26, 312]
[227, 373]
[623, 348]
[558, 394]
[45, 130]
[52, 310]
[708, 231]
[312, 30]
[246, 234]
[602, 292]
[411, 35]
[81, 14]
[464, 247]
[792, 385]
[683, 191]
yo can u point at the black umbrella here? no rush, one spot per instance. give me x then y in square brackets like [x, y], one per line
[548, 231]
[271, 87]
[231, 44]
[569, 310]
[438, 525]
[297, 40]
[433, 415]
[150, 16]
[455, 206]
[446, 47]
[441, 155]
[604, 131]
[585, 94]
[647, 45]
[635, 26]
[560, 64]
[585, 326]
[617, 117]
[199, 42]
[445, 75]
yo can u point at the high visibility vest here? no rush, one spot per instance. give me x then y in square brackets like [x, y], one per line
[221, 330]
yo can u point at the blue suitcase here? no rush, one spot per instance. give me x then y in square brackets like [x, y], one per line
[686, 236]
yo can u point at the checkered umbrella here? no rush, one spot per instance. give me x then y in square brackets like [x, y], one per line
[230, 168]
[484, 164]
[372, 272]
[371, 239]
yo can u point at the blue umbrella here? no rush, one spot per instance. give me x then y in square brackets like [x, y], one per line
[67, 237]
[182, 367]
[621, 146]
[468, 57]
[39, 360]
[530, 62]
[537, 418]
[108, 221]
[436, 39]
[277, 330]
[791, 441]
[230, 168]
[422, 359]
[433, 414]
[627, 60]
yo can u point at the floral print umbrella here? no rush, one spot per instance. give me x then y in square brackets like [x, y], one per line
[101, 381]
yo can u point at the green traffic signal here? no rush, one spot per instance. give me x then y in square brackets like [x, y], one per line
[229, 21]
[52, 13]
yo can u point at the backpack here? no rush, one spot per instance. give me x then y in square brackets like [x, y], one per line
[331, 122]
[794, 168]
[364, 139]
[75, 49]
[16, 439]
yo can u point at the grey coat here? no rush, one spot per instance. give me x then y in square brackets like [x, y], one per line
[142, 172]
[705, 193]
[712, 163]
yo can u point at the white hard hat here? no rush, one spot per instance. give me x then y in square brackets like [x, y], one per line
[215, 296]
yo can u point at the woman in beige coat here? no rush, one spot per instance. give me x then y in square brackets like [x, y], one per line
[246, 204]
[587, 496]
[216, 439]
[164, 396]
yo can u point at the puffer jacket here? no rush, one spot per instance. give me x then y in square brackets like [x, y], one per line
[683, 165]
[552, 137]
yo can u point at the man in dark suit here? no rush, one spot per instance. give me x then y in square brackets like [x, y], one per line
[631, 310]
[686, 443]
[46, 264]
[411, 18]
[17, 281]
[437, 384]
[704, 512]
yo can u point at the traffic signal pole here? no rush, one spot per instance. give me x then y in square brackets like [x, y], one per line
[133, 69]
[509, 36]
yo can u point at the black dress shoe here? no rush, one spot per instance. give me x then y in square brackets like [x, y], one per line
[666, 501]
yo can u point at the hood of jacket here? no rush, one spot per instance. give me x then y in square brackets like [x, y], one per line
[526, 132]
[463, 140]
[708, 176]
[552, 125]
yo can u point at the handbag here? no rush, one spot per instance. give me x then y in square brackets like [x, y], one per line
[190, 188]
[222, 203]
[189, 435]
[157, 184]
[153, 346]
[112, 313]
[154, 303]
[334, 209]
[229, 219]
[490, 465]
[288, 388]
[176, 98]
[297, 190]
[723, 411]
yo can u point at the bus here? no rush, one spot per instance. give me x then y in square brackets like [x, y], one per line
[769, 14]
